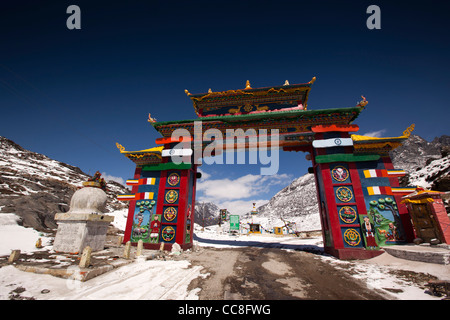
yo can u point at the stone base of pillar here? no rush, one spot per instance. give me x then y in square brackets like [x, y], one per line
[78, 230]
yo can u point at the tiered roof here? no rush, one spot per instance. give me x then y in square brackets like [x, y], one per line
[251, 100]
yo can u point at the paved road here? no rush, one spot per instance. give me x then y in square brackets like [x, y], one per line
[270, 273]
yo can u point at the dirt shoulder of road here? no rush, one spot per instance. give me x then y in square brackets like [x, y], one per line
[269, 273]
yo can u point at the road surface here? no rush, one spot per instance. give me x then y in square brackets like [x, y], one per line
[273, 274]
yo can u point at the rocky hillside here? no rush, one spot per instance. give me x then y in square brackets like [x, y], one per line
[414, 153]
[206, 213]
[296, 202]
[36, 187]
[427, 163]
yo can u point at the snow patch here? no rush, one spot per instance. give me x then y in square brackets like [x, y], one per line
[15, 237]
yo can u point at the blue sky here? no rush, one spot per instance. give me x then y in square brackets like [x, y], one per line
[72, 94]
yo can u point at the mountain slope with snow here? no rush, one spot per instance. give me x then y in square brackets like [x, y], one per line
[35, 187]
[432, 176]
[296, 203]
[427, 164]
[206, 213]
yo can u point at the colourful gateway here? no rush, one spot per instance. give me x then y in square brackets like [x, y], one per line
[357, 186]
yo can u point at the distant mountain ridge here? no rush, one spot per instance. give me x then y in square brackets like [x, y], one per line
[427, 164]
[35, 187]
[206, 213]
[297, 203]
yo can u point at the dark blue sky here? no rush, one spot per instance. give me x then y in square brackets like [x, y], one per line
[72, 94]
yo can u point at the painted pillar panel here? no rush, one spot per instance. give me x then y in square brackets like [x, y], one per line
[167, 215]
[344, 199]
[131, 208]
[361, 206]
[321, 199]
[145, 220]
[382, 209]
[336, 235]
[402, 209]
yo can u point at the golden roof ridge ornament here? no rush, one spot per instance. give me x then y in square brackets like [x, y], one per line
[120, 147]
[150, 119]
[312, 80]
[286, 83]
[187, 92]
[409, 130]
[363, 102]
[247, 85]
[406, 134]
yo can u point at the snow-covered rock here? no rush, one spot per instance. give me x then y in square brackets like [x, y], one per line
[427, 176]
[35, 187]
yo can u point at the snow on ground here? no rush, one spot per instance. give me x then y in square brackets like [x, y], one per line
[212, 237]
[156, 279]
[153, 280]
[378, 277]
[15, 237]
[120, 218]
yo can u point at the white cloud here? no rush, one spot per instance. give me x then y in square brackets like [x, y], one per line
[376, 134]
[243, 187]
[108, 177]
[237, 195]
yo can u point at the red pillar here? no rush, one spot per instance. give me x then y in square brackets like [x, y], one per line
[402, 209]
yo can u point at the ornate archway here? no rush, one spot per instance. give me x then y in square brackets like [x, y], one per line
[357, 185]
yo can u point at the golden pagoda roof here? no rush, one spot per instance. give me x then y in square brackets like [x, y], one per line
[251, 98]
[156, 150]
[140, 157]
[367, 144]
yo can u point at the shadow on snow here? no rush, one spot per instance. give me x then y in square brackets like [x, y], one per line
[258, 244]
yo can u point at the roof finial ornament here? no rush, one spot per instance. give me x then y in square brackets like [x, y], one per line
[247, 85]
[286, 83]
[209, 90]
[363, 102]
[120, 147]
[150, 119]
[409, 130]
[312, 80]
[187, 92]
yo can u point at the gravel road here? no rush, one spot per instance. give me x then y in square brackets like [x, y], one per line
[274, 274]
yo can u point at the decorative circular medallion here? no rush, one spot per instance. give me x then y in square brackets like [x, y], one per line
[168, 233]
[347, 214]
[352, 237]
[344, 194]
[170, 213]
[173, 179]
[340, 173]
[337, 141]
[171, 196]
